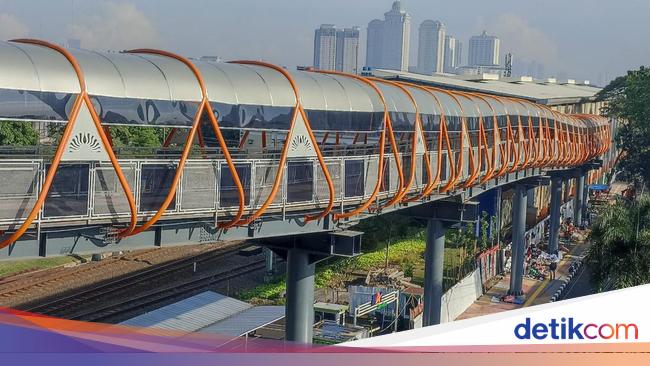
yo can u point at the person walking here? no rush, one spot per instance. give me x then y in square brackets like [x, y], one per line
[552, 267]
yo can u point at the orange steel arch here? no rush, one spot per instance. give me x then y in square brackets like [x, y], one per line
[495, 140]
[536, 145]
[463, 131]
[82, 98]
[531, 145]
[482, 145]
[387, 128]
[204, 106]
[505, 152]
[401, 195]
[443, 136]
[522, 143]
[516, 146]
[285, 150]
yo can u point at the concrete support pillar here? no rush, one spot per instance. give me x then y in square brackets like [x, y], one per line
[269, 261]
[299, 325]
[585, 195]
[500, 256]
[556, 203]
[518, 240]
[578, 200]
[567, 190]
[434, 256]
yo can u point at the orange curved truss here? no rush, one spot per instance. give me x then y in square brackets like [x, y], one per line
[457, 171]
[82, 98]
[285, 150]
[204, 107]
[382, 142]
[401, 195]
[443, 136]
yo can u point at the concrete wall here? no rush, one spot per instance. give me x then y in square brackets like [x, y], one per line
[460, 297]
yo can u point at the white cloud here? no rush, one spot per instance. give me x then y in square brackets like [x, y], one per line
[522, 39]
[115, 26]
[12, 27]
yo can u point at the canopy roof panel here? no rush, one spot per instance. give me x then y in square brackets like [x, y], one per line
[38, 83]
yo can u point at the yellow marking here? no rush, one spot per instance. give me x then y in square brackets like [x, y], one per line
[539, 290]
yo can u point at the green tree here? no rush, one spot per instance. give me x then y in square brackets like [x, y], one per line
[620, 254]
[137, 136]
[18, 134]
[628, 98]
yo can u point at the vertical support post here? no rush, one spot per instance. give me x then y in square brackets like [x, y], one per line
[585, 195]
[499, 257]
[518, 239]
[269, 260]
[556, 202]
[567, 190]
[579, 200]
[434, 256]
[299, 325]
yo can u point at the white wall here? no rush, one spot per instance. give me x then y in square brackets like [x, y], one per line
[460, 297]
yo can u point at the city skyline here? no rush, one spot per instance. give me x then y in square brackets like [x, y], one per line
[431, 47]
[336, 48]
[571, 42]
[388, 40]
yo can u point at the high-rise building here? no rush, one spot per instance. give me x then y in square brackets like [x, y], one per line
[388, 40]
[483, 50]
[325, 47]
[453, 54]
[431, 47]
[336, 49]
[347, 50]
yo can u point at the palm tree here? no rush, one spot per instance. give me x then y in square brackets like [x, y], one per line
[620, 253]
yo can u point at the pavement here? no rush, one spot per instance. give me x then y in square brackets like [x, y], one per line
[536, 291]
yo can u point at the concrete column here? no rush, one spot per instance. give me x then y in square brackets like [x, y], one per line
[434, 256]
[299, 325]
[500, 256]
[567, 190]
[269, 259]
[518, 240]
[556, 203]
[585, 195]
[578, 200]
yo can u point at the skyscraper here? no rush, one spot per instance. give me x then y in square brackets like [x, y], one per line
[325, 47]
[388, 40]
[483, 50]
[453, 54]
[347, 50]
[336, 49]
[431, 47]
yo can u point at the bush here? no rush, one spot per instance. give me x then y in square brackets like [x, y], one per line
[18, 134]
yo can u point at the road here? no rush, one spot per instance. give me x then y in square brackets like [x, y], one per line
[580, 284]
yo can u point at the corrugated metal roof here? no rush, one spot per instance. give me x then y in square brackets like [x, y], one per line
[247, 321]
[191, 314]
[535, 91]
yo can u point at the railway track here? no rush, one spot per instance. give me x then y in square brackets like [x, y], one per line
[166, 294]
[69, 305]
[25, 282]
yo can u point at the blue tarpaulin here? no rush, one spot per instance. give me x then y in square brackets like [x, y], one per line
[599, 187]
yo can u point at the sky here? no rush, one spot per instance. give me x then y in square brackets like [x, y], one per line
[578, 39]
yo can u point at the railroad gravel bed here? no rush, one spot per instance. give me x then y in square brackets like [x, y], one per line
[25, 290]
